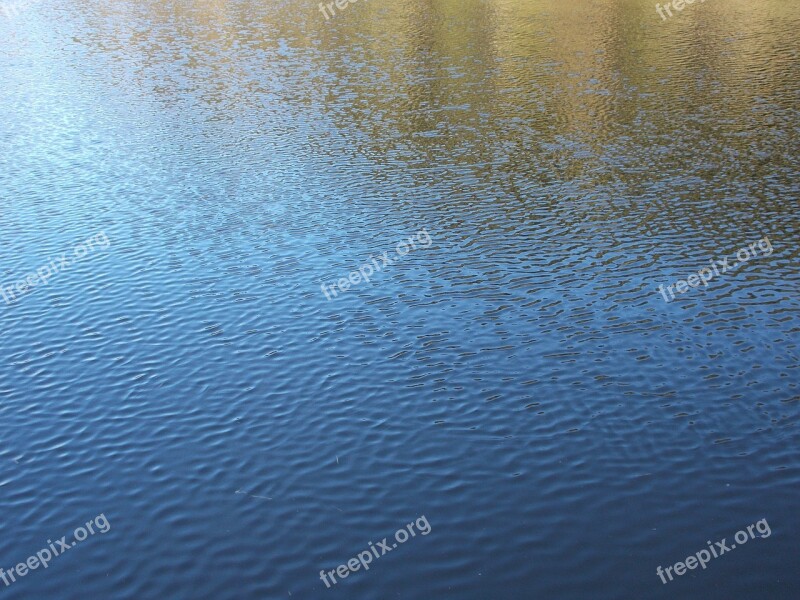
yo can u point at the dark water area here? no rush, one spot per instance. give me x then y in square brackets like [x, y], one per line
[187, 175]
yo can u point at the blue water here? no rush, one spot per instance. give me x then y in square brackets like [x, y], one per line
[519, 382]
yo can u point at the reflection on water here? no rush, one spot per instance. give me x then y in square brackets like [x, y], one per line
[520, 382]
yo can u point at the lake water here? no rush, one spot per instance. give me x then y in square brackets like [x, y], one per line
[186, 175]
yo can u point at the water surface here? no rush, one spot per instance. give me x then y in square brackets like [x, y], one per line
[520, 382]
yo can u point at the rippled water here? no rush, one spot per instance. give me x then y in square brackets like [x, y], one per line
[520, 382]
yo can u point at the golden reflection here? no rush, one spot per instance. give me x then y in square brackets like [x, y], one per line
[546, 90]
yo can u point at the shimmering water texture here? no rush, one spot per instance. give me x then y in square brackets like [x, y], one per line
[520, 381]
